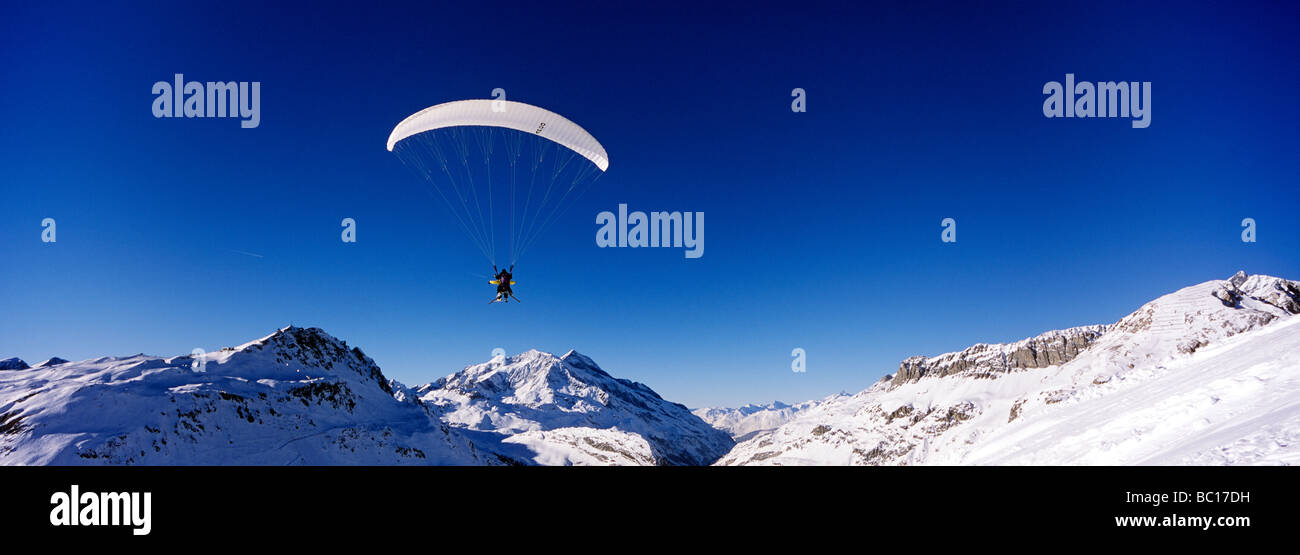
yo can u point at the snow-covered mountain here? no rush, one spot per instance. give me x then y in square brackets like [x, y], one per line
[297, 396]
[1209, 374]
[745, 422]
[566, 410]
[300, 396]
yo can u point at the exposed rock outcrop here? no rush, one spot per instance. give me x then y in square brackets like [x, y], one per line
[984, 359]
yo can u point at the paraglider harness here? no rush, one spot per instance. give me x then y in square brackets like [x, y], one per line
[503, 282]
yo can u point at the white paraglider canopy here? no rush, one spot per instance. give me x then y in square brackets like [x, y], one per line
[505, 170]
[508, 114]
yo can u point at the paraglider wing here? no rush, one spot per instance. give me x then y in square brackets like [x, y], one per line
[508, 114]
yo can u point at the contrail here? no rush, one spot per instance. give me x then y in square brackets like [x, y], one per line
[255, 255]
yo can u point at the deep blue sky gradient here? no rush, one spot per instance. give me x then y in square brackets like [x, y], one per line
[822, 228]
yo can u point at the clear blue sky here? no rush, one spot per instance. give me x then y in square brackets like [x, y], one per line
[822, 228]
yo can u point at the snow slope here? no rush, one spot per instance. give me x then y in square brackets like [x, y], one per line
[546, 409]
[1209, 374]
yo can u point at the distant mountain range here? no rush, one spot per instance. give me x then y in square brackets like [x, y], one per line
[1206, 375]
[750, 420]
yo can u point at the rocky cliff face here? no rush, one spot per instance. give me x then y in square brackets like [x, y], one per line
[985, 360]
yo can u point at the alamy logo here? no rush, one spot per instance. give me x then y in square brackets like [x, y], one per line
[200, 362]
[1248, 230]
[349, 234]
[102, 509]
[658, 229]
[1107, 99]
[49, 231]
[214, 99]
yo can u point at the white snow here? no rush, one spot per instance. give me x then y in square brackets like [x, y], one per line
[585, 447]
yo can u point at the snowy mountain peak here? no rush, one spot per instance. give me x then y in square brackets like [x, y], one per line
[294, 353]
[13, 363]
[524, 401]
[1239, 278]
[575, 358]
[52, 361]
